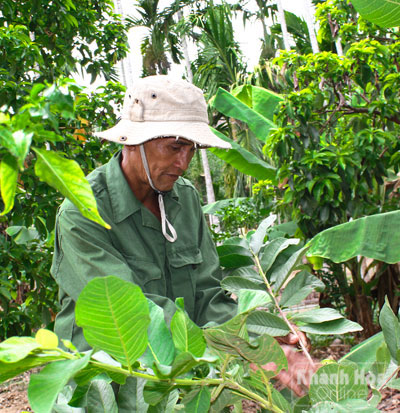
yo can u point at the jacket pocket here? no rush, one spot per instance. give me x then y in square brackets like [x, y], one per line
[147, 275]
[183, 264]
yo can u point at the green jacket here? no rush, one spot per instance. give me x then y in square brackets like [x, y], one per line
[135, 250]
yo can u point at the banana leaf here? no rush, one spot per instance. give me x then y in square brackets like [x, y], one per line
[375, 237]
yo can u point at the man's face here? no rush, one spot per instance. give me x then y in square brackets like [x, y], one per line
[168, 158]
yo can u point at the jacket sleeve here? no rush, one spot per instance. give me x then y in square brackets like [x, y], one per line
[212, 302]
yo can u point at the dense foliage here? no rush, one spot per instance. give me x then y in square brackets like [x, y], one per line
[41, 44]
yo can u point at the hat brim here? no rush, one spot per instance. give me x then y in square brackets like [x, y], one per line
[135, 133]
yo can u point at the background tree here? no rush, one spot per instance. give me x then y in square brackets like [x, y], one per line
[161, 40]
[41, 44]
[336, 146]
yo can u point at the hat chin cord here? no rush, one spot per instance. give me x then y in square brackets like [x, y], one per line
[172, 236]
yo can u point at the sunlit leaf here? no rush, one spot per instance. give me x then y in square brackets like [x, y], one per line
[66, 176]
[8, 182]
[14, 349]
[114, 315]
[46, 338]
[384, 13]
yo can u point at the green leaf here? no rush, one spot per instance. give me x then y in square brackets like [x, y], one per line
[233, 256]
[262, 322]
[257, 239]
[218, 205]
[357, 406]
[198, 401]
[364, 354]
[187, 336]
[394, 384]
[280, 274]
[391, 329]
[243, 160]
[272, 249]
[114, 315]
[45, 386]
[265, 102]
[10, 370]
[261, 351]
[384, 13]
[183, 363]
[225, 398]
[8, 182]
[302, 404]
[335, 382]
[249, 299]
[161, 348]
[17, 348]
[371, 237]
[324, 407]
[130, 396]
[66, 176]
[155, 391]
[340, 326]
[18, 144]
[100, 398]
[230, 106]
[318, 315]
[236, 284]
[382, 369]
[299, 287]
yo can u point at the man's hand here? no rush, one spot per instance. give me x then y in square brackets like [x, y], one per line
[300, 368]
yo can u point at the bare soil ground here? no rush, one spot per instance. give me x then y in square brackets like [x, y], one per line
[14, 398]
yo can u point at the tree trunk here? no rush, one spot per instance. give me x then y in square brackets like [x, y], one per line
[125, 64]
[311, 26]
[206, 167]
[282, 22]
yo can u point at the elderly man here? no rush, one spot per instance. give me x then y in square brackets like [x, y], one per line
[158, 238]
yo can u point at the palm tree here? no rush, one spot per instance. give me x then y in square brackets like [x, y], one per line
[219, 61]
[162, 39]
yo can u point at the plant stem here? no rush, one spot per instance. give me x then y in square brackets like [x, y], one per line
[271, 293]
[253, 396]
[220, 383]
[389, 378]
[182, 382]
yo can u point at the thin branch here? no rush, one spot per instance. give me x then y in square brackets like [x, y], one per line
[290, 325]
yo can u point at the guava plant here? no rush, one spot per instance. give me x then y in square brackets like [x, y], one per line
[182, 366]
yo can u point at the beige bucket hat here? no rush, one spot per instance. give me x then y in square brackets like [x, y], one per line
[159, 106]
